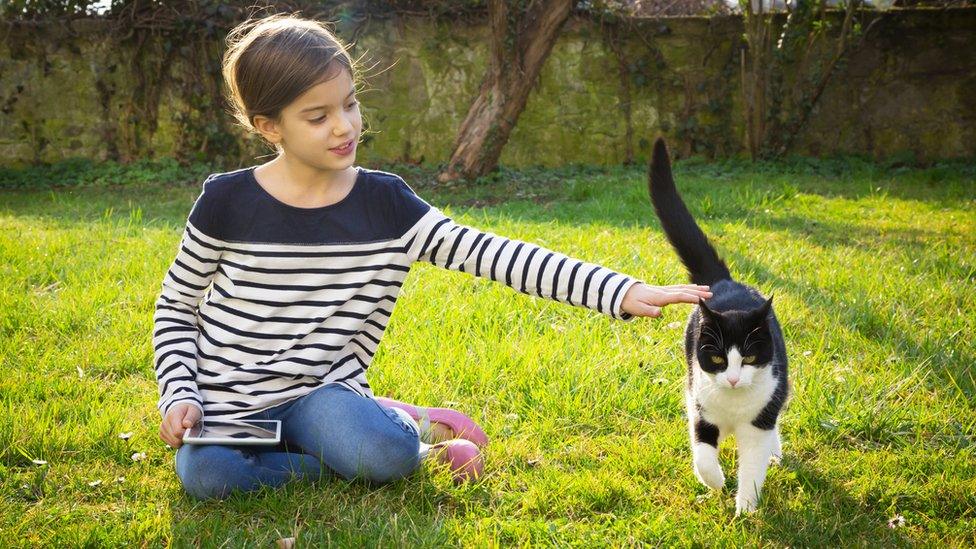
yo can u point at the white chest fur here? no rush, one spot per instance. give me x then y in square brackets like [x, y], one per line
[727, 407]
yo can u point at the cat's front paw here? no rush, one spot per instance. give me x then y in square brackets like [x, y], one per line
[709, 472]
[745, 504]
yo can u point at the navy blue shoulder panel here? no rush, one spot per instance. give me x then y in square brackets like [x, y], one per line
[201, 215]
[408, 207]
[235, 208]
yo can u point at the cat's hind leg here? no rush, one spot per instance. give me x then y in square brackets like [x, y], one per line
[704, 445]
[755, 448]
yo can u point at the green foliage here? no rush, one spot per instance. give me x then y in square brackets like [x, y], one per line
[84, 172]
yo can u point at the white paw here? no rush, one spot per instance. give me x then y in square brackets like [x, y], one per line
[744, 504]
[709, 472]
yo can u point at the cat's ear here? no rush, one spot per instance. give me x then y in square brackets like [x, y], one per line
[763, 312]
[706, 312]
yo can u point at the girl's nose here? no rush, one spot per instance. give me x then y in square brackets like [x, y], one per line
[343, 128]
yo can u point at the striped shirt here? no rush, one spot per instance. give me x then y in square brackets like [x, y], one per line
[265, 302]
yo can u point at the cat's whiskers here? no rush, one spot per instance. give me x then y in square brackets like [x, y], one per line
[746, 344]
[715, 334]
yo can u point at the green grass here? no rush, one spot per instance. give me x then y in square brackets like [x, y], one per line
[873, 268]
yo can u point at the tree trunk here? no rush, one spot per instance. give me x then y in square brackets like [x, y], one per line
[521, 40]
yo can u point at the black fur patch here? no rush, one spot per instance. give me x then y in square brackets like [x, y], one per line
[706, 433]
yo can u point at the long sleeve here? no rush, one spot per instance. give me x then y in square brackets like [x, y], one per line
[523, 266]
[175, 328]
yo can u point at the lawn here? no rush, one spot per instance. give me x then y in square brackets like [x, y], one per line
[874, 272]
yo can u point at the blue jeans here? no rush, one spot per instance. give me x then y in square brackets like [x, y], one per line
[335, 429]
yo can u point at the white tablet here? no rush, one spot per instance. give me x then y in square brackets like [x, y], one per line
[234, 432]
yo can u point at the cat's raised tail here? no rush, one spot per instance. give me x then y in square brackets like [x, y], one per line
[700, 258]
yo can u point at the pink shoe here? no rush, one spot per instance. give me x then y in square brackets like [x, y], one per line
[462, 426]
[462, 457]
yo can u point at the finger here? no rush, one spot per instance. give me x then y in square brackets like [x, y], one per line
[678, 297]
[649, 310]
[176, 439]
[163, 434]
[172, 423]
[171, 437]
[175, 428]
[692, 290]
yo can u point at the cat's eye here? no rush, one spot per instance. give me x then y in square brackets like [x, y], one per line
[749, 359]
[717, 359]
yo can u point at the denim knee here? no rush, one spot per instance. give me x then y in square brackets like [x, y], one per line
[354, 435]
[396, 456]
[203, 471]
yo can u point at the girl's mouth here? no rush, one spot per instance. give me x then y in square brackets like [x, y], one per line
[345, 149]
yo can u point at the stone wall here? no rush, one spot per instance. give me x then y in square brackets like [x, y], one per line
[911, 88]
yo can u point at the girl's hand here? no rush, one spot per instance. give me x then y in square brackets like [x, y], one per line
[644, 300]
[179, 418]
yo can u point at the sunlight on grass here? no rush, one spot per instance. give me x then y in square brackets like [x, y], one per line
[873, 273]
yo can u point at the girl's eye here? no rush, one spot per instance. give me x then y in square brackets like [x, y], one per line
[749, 359]
[717, 359]
[323, 117]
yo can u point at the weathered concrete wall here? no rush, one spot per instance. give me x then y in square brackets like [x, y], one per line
[911, 88]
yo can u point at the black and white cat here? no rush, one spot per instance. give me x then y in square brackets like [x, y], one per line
[735, 351]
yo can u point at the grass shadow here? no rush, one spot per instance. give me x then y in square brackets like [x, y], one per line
[831, 517]
[327, 511]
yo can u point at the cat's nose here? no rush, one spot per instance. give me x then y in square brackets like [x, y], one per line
[732, 381]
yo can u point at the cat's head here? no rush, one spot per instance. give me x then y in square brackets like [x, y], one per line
[734, 345]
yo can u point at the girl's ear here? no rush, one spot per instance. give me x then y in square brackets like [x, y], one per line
[267, 128]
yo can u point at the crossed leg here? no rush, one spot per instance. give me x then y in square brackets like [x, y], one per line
[338, 431]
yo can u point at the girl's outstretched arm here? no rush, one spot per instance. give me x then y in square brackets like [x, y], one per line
[523, 266]
[435, 237]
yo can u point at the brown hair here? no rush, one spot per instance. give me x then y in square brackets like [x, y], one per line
[272, 60]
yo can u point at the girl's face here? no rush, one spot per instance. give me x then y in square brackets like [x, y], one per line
[321, 127]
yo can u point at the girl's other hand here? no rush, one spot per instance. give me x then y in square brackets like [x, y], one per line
[178, 419]
[644, 300]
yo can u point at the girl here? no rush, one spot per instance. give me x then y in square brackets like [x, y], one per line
[287, 274]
